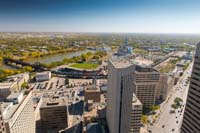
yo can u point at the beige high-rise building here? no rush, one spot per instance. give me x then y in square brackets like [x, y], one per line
[136, 115]
[191, 118]
[53, 114]
[120, 92]
[146, 80]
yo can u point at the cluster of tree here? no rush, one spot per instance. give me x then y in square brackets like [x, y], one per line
[77, 59]
[177, 103]
[8, 72]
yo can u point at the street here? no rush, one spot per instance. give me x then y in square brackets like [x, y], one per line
[168, 122]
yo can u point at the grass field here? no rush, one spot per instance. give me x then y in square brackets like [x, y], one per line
[84, 65]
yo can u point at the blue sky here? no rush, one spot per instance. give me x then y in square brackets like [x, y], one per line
[137, 16]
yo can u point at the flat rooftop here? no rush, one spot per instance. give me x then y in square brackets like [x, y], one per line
[121, 62]
[43, 73]
[53, 101]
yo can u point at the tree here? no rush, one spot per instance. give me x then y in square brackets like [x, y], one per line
[144, 119]
[66, 81]
[24, 85]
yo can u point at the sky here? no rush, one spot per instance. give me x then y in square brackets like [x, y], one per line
[129, 16]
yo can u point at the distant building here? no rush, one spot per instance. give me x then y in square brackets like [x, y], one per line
[119, 95]
[191, 118]
[19, 118]
[188, 56]
[43, 76]
[146, 80]
[151, 48]
[53, 114]
[125, 49]
[136, 115]
[166, 83]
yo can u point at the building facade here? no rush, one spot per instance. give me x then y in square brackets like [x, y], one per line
[166, 83]
[2, 124]
[53, 114]
[191, 118]
[23, 119]
[119, 95]
[136, 115]
[146, 80]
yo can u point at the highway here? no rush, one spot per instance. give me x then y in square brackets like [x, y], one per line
[170, 122]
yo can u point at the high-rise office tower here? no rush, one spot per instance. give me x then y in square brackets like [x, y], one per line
[120, 93]
[146, 80]
[191, 118]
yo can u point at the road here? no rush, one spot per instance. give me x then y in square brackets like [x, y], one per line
[170, 122]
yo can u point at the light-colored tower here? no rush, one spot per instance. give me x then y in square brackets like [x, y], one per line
[191, 118]
[146, 80]
[120, 92]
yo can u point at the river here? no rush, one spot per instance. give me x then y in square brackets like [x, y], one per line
[48, 59]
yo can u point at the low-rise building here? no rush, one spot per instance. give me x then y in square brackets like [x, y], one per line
[53, 114]
[43, 76]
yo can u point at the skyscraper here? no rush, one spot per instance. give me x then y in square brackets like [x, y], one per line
[146, 81]
[191, 118]
[120, 93]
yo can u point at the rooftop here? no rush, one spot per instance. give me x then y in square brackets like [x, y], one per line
[43, 73]
[121, 62]
[53, 101]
